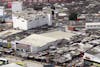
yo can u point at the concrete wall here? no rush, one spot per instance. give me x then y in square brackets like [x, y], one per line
[49, 19]
[20, 23]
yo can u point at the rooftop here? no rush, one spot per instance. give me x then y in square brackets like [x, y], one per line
[59, 35]
[36, 40]
[30, 14]
[9, 32]
[95, 51]
[93, 54]
[11, 65]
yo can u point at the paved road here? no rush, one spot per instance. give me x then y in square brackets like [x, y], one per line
[29, 63]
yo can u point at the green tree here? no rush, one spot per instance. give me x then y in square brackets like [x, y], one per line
[73, 16]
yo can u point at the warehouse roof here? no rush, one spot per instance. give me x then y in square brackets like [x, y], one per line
[8, 32]
[11, 65]
[59, 35]
[36, 40]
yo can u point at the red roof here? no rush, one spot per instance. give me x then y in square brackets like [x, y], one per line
[9, 4]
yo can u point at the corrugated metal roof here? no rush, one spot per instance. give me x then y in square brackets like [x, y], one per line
[36, 40]
[9, 32]
[59, 35]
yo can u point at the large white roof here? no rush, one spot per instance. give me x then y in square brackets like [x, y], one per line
[9, 32]
[11, 65]
[36, 40]
[59, 35]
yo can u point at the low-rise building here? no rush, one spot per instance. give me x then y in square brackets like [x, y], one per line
[4, 34]
[9, 32]
[93, 57]
[39, 42]
[34, 43]
[92, 25]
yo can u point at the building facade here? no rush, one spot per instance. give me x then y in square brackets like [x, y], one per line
[31, 19]
[92, 25]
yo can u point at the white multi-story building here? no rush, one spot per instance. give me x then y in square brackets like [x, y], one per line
[31, 19]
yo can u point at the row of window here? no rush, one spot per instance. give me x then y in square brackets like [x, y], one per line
[23, 50]
[93, 25]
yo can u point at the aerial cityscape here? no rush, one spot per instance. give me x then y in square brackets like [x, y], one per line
[49, 33]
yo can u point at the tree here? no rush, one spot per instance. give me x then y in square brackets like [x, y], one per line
[73, 16]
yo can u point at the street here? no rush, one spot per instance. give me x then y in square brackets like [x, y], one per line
[29, 63]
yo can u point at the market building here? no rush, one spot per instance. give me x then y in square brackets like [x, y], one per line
[33, 44]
